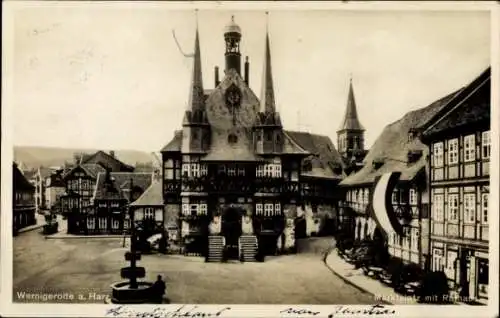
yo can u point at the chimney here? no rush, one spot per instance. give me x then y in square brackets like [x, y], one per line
[247, 67]
[217, 76]
[112, 153]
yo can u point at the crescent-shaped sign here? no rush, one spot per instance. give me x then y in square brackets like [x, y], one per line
[381, 202]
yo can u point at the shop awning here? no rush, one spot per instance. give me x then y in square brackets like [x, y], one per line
[382, 210]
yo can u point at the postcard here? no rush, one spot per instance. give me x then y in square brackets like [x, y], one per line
[250, 159]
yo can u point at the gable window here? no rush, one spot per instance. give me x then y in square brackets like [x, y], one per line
[437, 154]
[486, 145]
[469, 148]
[453, 151]
[148, 213]
[438, 207]
[484, 208]
[452, 208]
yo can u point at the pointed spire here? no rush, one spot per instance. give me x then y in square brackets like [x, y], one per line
[196, 94]
[351, 121]
[267, 102]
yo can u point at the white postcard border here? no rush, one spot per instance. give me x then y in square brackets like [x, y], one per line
[79, 310]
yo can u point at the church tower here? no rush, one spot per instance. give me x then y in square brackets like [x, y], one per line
[196, 129]
[350, 136]
[268, 133]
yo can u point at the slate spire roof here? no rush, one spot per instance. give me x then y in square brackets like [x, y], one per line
[351, 121]
[267, 101]
[196, 93]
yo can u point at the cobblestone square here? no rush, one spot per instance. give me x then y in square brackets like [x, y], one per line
[81, 270]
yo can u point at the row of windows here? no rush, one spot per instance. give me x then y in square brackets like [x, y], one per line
[102, 222]
[269, 170]
[409, 240]
[268, 209]
[469, 149]
[197, 170]
[24, 196]
[440, 210]
[194, 209]
[359, 196]
[194, 170]
[80, 184]
[400, 197]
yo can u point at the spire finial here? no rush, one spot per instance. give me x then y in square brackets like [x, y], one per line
[196, 16]
[350, 77]
[232, 18]
[267, 21]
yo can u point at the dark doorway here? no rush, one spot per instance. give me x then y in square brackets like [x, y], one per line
[231, 230]
[300, 227]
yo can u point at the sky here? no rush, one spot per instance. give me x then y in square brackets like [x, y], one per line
[112, 77]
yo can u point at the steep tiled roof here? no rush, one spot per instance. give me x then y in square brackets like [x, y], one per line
[152, 196]
[175, 143]
[108, 161]
[324, 157]
[116, 185]
[392, 146]
[56, 179]
[471, 105]
[93, 169]
[19, 181]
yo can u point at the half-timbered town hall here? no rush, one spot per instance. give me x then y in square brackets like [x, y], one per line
[234, 176]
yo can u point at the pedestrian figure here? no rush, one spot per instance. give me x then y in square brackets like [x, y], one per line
[159, 289]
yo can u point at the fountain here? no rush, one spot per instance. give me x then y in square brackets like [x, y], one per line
[133, 291]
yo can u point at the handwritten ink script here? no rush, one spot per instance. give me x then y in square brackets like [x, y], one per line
[340, 311]
[158, 312]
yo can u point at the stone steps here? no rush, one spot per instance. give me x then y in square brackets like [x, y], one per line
[216, 245]
[249, 246]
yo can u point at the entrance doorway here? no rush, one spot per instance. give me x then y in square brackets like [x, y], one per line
[231, 230]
